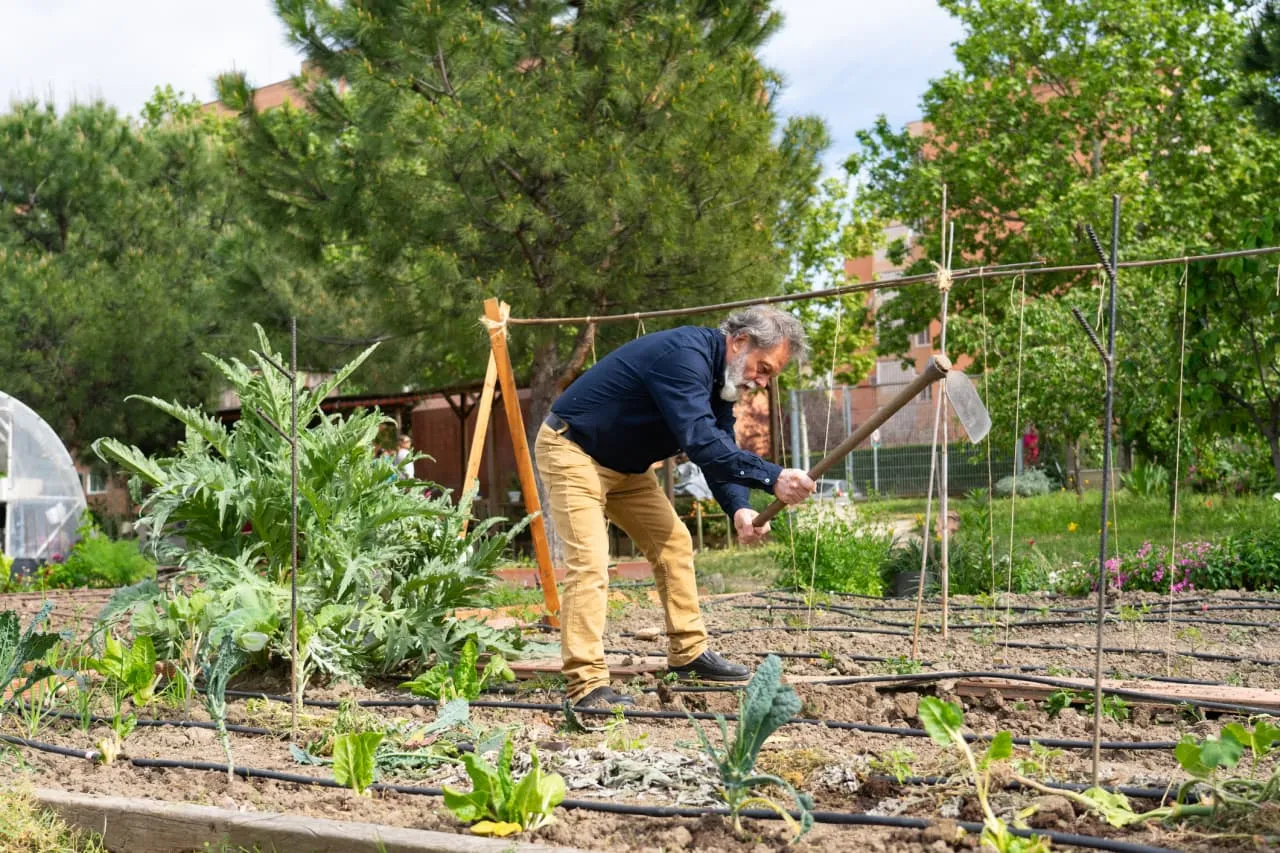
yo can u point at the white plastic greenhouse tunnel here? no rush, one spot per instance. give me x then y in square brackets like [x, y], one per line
[41, 499]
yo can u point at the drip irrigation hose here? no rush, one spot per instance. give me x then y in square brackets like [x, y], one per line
[162, 723]
[835, 818]
[1161, 652]
[645, 714]
[1123, 693]
[1193, 605]
[1046, 623]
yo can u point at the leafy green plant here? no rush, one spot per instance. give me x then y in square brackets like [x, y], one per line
[901, 665]
[497, 803]
[1041, 761]
[896, 763]
[129, 670]
[1147, 479]
[763, 708]
[21, 653]
[1030, 483]
[944, 721]
[97, 560]
[1113, 707]
[217, 665]
[353, 759]
[382, 568]
[618, 734]
[832, 547]
[463, 680]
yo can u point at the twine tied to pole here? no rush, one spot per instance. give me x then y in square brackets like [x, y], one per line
[500, 324]
[943, 277]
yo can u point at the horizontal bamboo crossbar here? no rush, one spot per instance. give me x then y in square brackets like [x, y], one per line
[959, 275]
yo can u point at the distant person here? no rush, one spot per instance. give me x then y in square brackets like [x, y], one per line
[1030, 446]
[403, 462]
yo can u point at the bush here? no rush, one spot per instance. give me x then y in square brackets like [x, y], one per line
[1147, 479]
[834, 548]
[97, 560]
[1029, 484]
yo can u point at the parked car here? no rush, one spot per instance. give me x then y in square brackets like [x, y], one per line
[836, 490]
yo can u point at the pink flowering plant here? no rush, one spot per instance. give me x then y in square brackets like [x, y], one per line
[1154, 568]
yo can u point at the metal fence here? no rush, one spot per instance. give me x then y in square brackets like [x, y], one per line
[817, 419]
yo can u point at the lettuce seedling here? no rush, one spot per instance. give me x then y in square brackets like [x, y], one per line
[499, 805]
[462, 680]
[353, 759]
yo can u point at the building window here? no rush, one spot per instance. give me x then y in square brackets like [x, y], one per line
[95, 481]
[922, 339]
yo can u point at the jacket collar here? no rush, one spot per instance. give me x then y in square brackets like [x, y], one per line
[718, 355]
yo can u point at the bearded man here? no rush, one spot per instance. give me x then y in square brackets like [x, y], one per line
[648, 400]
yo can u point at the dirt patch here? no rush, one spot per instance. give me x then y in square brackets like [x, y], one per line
[659, 762]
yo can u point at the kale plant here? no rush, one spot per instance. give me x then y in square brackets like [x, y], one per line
[765, 706]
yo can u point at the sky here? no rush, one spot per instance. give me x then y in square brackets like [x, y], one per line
[845, 60]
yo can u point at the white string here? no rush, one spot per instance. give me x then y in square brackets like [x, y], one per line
[1177, 473]
[1017, 437]
[924, 534]
[826, 438]
[986, 401]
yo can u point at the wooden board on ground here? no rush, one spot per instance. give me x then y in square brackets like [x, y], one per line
[620, 666]
[1010, 689]
[154, 826]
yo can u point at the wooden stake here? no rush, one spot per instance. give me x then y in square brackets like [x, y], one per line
[483, 412]
[524, 461]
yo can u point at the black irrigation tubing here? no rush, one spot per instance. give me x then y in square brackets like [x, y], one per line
[1159, 794]
[1020, 644]
[723, 632]
[1043, 623]
[1123, 693]
[835, 818]
[644, 714]
[159, 723]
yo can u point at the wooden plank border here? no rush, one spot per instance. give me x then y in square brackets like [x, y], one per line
[156, 826]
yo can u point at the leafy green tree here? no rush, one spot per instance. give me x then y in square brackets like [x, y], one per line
[1055, 106]
[1233, 337]
[111, 281]
[568, 157]
[1260, 59]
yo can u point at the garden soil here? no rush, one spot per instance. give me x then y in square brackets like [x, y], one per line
[658, 762]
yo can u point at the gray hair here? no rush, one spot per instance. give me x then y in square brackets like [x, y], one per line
[767, 327]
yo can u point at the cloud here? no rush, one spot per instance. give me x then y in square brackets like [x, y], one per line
[851, 60]
[845, 60]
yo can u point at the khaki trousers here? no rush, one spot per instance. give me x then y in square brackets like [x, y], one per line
[581, 493]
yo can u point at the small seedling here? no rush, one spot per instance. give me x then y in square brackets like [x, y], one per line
[902, 665]
[353, 759]
[497, 803]
[944, 721]
[1191, 636]
[463, 680]
[619, 736]
[896, 763]
[1040, 763]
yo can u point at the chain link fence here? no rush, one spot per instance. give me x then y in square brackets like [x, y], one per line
[817, 419]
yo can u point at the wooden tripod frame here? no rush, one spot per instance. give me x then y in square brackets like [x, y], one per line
[499, 371]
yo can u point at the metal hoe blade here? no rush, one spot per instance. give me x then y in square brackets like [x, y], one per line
[968, 406]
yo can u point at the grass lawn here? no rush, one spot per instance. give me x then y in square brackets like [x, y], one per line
[1065, 528]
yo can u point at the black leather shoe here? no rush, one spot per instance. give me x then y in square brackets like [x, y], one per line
[709, 666]
[605, 697]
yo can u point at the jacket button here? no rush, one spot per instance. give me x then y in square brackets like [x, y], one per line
[742, 473]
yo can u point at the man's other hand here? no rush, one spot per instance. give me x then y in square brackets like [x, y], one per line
[744, 523]
[793, 486]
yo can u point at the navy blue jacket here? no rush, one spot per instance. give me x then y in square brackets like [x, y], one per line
[660, 394]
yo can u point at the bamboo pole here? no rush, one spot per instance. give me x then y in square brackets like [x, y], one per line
[483, 412]
[524, 461]
[1002, 271]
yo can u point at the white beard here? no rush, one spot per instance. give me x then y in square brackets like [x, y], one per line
[733, 379]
